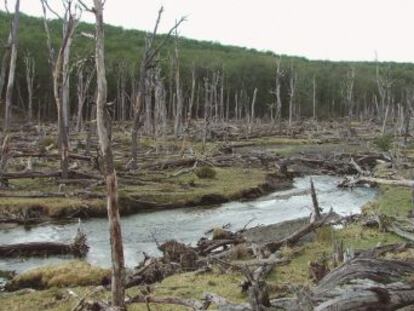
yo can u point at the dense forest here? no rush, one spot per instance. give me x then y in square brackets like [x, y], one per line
[239, 70]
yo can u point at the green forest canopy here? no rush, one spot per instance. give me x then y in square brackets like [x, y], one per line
[244, 68]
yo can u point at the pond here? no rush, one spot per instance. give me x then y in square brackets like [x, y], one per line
[188, 224]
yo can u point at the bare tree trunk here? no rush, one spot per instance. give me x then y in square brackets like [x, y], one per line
[236, 106]
[179, 111]
[207, 111]
[222, 97]
[4, 67]
[292, 87]
[12, 66]
[60, 76]
[118, 269]
[314, 98]
[30, 73]
[148, 61]
[278, 113]
[191, 104]
[253, 110]
[350, 92]
[66, 76]
[83, 85]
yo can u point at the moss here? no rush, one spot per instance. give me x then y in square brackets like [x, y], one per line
[205, 172]
[71, 274]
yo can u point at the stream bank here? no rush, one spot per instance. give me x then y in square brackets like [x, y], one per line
[187, 225]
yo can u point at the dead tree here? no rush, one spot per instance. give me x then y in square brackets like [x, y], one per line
[12, 66]
[207, 112]
[349, 89]
[292, 88]
[384, 84]
[407, 116]
[147, 63]
[192, 95]
[314, 98]
[122, 93]
[60, 74]
[179, 96]
[102, 119]
[4, 66]
[160, 114]
[30, 73]
[278, 112]
[252, 109]
[85, 78]
[253, 105]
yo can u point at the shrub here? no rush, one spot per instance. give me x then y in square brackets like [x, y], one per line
[206, 172]
[384, 142]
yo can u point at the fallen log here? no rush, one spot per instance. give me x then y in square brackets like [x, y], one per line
[55, 174]
[77, 248]
[51, 156]
[169, 164]
[188, 303]
[358, 168]
[362, 284]
[296, 236]
[351, 182]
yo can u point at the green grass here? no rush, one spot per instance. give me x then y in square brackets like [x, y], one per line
[354, 237]
[74, 273]
[183, 190]
[393, 201]
[228, 183]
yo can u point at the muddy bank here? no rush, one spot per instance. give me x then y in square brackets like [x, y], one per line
[131, 204]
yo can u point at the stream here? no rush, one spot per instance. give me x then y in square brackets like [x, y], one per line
[188, 224]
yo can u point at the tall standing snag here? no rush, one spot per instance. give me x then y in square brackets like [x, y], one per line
[12, 67]
[117, 252]
[60, 74]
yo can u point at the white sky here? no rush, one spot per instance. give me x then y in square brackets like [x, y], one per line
[316, 29]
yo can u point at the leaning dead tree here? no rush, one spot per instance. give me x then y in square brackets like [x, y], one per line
[148, 63]
[60, 73]
[12, 66]
[104, 134]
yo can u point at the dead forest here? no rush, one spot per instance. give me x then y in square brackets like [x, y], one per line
[87, 133]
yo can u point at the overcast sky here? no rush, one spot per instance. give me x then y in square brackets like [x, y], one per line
[316, 29]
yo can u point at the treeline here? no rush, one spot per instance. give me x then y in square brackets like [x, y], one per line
[337, 89]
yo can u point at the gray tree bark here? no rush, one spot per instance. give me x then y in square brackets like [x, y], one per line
[12, 66]
[117, 253]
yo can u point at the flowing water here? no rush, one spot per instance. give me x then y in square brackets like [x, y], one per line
[188, 224]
